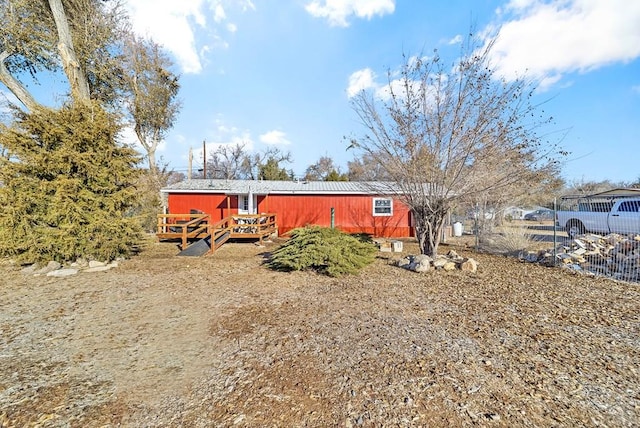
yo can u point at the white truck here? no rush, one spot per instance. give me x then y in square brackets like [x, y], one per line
[601, 216]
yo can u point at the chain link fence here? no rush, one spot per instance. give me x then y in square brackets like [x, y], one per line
[594, 236]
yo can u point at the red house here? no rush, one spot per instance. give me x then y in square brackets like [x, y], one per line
[356, 207]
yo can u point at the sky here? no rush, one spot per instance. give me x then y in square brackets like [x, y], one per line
[283, 73]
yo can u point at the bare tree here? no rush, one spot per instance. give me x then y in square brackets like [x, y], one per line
[153, 89]
[585, 188]
[227, 162]
[43, 35]
[366, 168]
[445, 134]
[324, 170]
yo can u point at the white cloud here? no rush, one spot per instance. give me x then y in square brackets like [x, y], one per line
[365, 79]
[456, 40]
[360, 80]
[219, 15]
[183, 27]
[128, 136]
[547, 39]
[275, 137]
[337, 11]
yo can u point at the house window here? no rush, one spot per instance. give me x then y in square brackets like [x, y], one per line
[382, 206]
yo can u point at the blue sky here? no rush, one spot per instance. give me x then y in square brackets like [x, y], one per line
[279, 73]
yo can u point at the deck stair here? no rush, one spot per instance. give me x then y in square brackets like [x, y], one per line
[198, 236]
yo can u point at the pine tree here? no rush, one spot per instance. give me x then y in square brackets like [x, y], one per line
[66, 187]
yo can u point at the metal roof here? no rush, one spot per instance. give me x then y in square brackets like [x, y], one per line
[264, 187]
[609, 194]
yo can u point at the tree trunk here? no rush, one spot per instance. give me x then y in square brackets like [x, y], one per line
[72, 67]
[428, 230]
[15, 86]
[151, 156]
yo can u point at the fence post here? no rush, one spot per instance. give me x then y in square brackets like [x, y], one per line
[555, 237]
[476, 229]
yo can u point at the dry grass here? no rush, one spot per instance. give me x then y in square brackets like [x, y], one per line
[223, 341]
[510, 240]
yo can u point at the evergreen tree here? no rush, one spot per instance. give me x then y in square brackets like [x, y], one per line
[66, 187]
[271, 170]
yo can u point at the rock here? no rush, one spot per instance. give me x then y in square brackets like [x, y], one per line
[61, 273]
[80, 263]
[469, 265]
[95, 263]
[97, 269]
[422, 258]
[422, 263]
[449, 266]
[440, 262]
[453, 255]
[51, 266]
[404, 262]
[30, 269]
[422, 267]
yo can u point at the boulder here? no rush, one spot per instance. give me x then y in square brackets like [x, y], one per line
[449, 266]
[469, 265]
[97, 269]
[31, 269]
[404, 262]
[440, 262]
[51, 266]
[422, 263]
[61, 273]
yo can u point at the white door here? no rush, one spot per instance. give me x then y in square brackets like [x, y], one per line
[244, 207]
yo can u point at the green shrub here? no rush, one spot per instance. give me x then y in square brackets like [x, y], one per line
[327, 251]
[66, 187]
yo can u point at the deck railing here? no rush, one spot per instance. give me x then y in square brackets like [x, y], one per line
[190, 227]
[186, 227]
[253, 225]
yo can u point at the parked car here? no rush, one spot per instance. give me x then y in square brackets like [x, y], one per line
[540, 215]
[619, 216]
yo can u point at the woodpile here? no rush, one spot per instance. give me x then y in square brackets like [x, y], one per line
[613, 255]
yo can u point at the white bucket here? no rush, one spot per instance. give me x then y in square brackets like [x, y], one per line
[457, 229]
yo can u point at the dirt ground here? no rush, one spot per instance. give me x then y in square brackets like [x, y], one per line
[163, 341]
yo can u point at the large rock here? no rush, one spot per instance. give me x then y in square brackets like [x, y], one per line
[31, 269]
[449, 266]
[61, 273]
[422, 263]
[469, 265]
[404, 262]
[51, 266]
[97, 269]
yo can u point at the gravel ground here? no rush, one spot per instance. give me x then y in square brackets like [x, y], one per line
[164, 341]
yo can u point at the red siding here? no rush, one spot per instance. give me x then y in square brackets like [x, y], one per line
[214, 205]
[353, 213]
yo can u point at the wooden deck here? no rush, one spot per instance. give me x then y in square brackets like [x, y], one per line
[190, 228]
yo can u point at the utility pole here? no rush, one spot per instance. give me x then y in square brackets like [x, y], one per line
[204, 158]
[190, 164]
